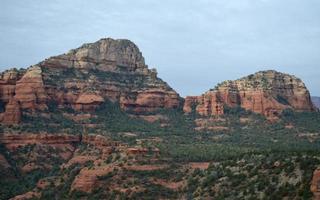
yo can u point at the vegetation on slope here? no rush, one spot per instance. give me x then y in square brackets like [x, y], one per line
[252, 159]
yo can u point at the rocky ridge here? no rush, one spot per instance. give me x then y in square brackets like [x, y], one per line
[266, 92]
[115, 70]
[84, 78]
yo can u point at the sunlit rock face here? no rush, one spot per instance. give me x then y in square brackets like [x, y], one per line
[83, 79]
[265, 92]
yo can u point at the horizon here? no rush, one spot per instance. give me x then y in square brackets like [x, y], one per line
[157, 69]
[205, 42]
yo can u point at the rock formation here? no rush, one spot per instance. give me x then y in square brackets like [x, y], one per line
[265, 92]
[87, 179]
[30, 91]
[13, 141]
[83, 79]
[70, 150]
[28, 195]
[114, 70]
[12, 114]
[315, 184]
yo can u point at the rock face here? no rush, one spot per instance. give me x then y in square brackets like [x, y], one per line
[316, 101]
[12, 114]
[9, 107]
[21, 89]
[114, 70]
[87, 179]
[315, 184]
[83, 79]
[88, 102]
[266, 92]
[13, 141]
[26, 196]
[30, 91]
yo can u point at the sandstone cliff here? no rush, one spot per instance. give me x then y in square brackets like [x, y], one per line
[265, 92]
[83, 79]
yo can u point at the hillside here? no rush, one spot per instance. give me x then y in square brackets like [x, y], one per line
[97, 123]
[83, 79]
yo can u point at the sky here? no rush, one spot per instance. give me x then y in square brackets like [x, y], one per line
[194, 44]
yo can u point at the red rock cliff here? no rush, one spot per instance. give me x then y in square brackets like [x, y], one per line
[266, 92]
[84, 78]
[315, 184]
[12, 141]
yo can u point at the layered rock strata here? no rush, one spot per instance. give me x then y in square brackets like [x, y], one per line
[83, 79]
[265, 92]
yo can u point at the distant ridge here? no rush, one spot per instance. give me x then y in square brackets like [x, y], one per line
[316, 101]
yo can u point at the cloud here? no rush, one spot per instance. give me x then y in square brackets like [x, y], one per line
[204, 41]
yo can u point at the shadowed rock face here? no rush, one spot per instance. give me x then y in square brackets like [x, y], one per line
[266, 92]
[83, 79]
[12, 112]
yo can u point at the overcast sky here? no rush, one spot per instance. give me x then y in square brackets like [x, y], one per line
[193, 44]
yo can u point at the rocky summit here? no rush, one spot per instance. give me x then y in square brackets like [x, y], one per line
[84, 78]
[266, 92]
